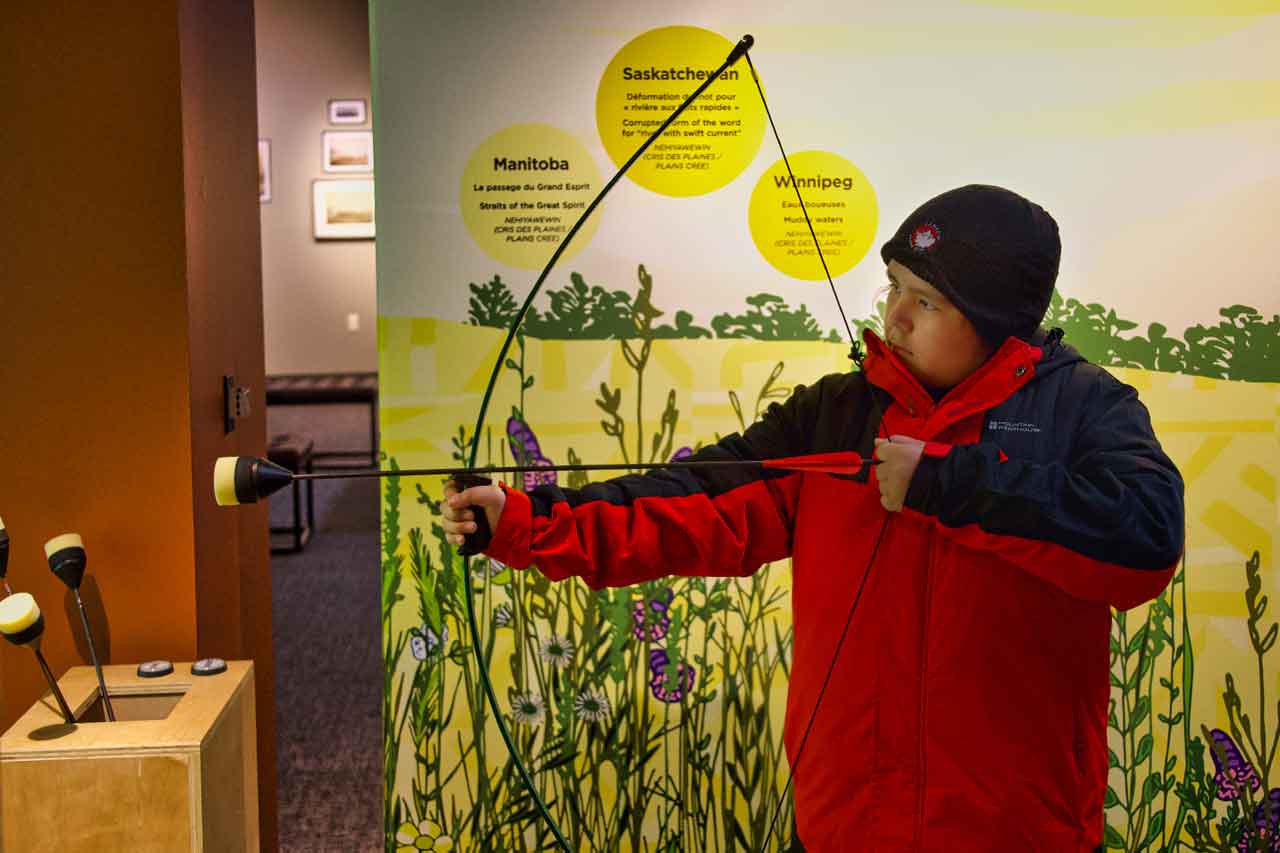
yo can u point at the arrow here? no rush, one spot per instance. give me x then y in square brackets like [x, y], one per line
[245, 479]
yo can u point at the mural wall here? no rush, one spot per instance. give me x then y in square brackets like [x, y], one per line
[651, 716]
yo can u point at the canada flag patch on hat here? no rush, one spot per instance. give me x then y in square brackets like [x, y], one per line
[925, 237]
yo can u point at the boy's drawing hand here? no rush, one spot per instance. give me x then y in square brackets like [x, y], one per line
[459, 520]
[899, 455]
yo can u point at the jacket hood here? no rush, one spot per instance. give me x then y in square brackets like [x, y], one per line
[1055, 354]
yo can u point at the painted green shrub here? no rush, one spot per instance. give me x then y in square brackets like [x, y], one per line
[1242, 345]
[581, 312]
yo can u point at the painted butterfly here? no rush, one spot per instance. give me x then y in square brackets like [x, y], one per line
[666, 689]
[651, 618]
[423, 641]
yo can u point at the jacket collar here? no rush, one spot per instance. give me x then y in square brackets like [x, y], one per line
[1009, 368]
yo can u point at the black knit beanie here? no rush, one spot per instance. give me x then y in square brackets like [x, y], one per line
[992, 252]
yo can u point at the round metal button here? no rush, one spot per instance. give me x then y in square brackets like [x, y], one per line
[208, 666]
[154, 669]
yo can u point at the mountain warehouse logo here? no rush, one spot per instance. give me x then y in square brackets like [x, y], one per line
[1013, 426]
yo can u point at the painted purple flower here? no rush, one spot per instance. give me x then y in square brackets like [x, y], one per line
[1236, 774]
[525, 449]
[651, 618]
[664, 688]
[682, 453]
[1265, 835]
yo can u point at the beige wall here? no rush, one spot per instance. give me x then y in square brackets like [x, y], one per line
[310, 52]
[130, 284]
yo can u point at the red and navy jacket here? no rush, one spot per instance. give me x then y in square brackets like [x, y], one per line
[967, 710]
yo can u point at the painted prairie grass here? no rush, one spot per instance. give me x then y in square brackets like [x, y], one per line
[650, 717]
[645, 714]
[1177, 784]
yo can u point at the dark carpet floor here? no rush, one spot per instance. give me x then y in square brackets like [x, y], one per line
[328, 656]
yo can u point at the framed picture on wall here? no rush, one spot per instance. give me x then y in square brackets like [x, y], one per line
[264, 170]
[348, 150]
[342, 209]
[347, 112]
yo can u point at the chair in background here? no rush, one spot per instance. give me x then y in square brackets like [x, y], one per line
[297, 453]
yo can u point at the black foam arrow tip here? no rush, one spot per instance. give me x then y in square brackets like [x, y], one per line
[259, 478]
[67, 558]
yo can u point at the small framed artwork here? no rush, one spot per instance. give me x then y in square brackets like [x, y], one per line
[347, 112]
[342, 209]
[264, 170]
[348, 150]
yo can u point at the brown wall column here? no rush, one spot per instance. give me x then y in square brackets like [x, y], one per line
[131, 283]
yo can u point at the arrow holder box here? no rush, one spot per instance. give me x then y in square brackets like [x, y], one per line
[177, 771]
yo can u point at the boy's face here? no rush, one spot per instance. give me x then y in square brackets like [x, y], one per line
[936, 342]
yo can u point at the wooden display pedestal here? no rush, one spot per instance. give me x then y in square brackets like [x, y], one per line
[177, 771]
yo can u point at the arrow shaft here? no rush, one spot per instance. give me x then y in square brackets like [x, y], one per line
[522, 469]
[528, 469]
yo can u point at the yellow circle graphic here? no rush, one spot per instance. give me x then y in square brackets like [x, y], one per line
[711, 142]
[841, 204]
[523, 189]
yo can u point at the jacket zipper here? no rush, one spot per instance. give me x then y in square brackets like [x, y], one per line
[921, 766]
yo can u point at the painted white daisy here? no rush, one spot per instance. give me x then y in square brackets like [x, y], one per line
[557, 651]
[528, 708]
[502, 616]
[591, 705]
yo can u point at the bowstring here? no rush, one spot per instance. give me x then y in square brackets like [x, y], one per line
[856, 351]
[856, 355]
